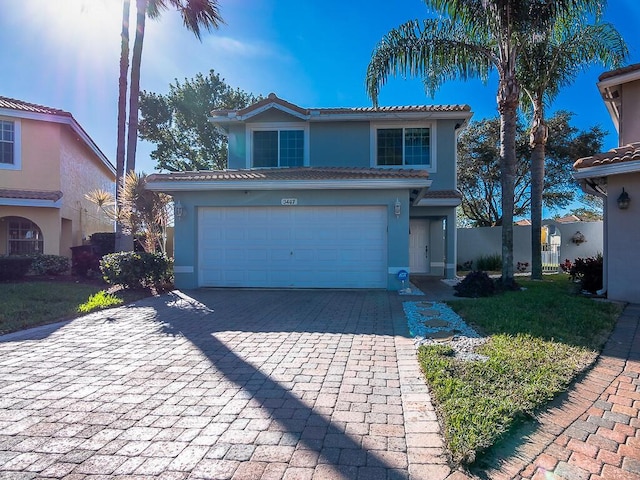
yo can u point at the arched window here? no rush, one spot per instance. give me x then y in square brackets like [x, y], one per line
[23, 237]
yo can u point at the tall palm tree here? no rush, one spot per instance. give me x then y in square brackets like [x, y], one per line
[122, 111]
[551, 60]
[196, 15]
[481, 35]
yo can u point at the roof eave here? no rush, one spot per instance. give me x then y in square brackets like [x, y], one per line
[352, 184]
[607, 170]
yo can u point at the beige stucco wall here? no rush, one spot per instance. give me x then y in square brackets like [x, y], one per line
[40, 154]
[80, 172]
[629, 117]
[623, 226]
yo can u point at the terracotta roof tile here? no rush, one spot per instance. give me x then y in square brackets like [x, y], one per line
[272, 98]
[292, 173]
[13, 104]
[30, 194]
[619, 71]
[626, 153]
[443, 194]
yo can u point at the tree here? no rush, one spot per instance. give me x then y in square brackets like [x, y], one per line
[196, 14]
[552, 60]
[480, 35]
[143, 213]
[177, 122]
[479, 172]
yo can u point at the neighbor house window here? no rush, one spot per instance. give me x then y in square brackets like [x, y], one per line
[24, 237]
[278, 148]
[403, 146]
[9, 144]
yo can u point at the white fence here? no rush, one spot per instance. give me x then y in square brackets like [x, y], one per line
[483, 241]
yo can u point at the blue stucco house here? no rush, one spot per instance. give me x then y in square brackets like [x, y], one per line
[321, 198]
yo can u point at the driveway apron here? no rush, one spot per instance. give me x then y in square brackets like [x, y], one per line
[219, 384]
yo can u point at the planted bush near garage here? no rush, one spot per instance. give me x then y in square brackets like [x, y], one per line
[14, 267]
[136, 269]
[49, 264]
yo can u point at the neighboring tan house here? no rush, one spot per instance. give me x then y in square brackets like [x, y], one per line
[321, 198]
[615, 176]
[47, 164]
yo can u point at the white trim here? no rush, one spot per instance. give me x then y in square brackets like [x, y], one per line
[30, 202]
[266, 107]
[364, 184]
[373, 144]
[183, 269]
[75, 126]
[617, 80]
[278, 127]
[320, 116]
[606, 170]
[17, 146]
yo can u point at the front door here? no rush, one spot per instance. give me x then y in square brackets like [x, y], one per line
[419, 245]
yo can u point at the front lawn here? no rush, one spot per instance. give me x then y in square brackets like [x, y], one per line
[540, 339]
[32, 303]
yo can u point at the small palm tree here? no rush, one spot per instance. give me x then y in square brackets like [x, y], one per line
[480, 36]
[551, 60]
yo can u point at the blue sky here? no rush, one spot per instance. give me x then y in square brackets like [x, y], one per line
[64, 54]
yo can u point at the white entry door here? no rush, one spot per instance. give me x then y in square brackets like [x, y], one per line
[419, 245]
[287, 246]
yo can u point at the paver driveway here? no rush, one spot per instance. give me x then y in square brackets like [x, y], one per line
[221, 384]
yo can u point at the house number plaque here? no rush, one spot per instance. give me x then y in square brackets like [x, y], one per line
[289, 201]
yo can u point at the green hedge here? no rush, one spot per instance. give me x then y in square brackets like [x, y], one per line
[49, 264]
[14, 267]
[136, 269]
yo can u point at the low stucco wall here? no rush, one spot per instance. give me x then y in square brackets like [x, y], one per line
[476, 242]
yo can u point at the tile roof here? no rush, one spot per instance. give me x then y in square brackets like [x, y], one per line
[626, 153]
[13, 104]
[273, 98]
[291, 173]
[30, 194]
[442, 194]
[619, 71]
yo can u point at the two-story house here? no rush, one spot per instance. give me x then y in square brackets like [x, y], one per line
[321, 198]
[615, 176]
[47, 164]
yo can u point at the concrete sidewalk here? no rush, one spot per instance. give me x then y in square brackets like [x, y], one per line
[222, 384]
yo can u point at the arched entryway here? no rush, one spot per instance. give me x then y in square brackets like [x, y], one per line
[22, 236]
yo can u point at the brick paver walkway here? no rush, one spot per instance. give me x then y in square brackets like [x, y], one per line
[592, 432]
[222, 384]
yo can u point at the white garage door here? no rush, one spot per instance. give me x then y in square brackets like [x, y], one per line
[304, 247]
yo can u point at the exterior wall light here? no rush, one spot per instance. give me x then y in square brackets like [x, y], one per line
[397, 208]
[178, 210]
[578, 238]
[624, 200]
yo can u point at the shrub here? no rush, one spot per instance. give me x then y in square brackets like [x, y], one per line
[14, 267]
[49, 264]
[104, 241]
[84, 262]
[522, 266]
[492, 263]
[136, 269]
[99, 301]
[475, 284]
[588, 271]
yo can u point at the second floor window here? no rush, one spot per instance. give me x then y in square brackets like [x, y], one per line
[7, 142]
[403, 146]
[278, 148]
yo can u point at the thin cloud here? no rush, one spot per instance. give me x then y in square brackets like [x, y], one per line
[232, 47]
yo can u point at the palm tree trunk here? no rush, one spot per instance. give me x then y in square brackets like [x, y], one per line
[122, 112]
[508, 97]
[134, 94]
[538, 143]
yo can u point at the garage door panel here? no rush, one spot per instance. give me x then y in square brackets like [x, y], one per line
[311, 247]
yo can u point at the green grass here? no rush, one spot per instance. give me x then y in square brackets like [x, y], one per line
[99, 301]
[539, 340]
[29, 304]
